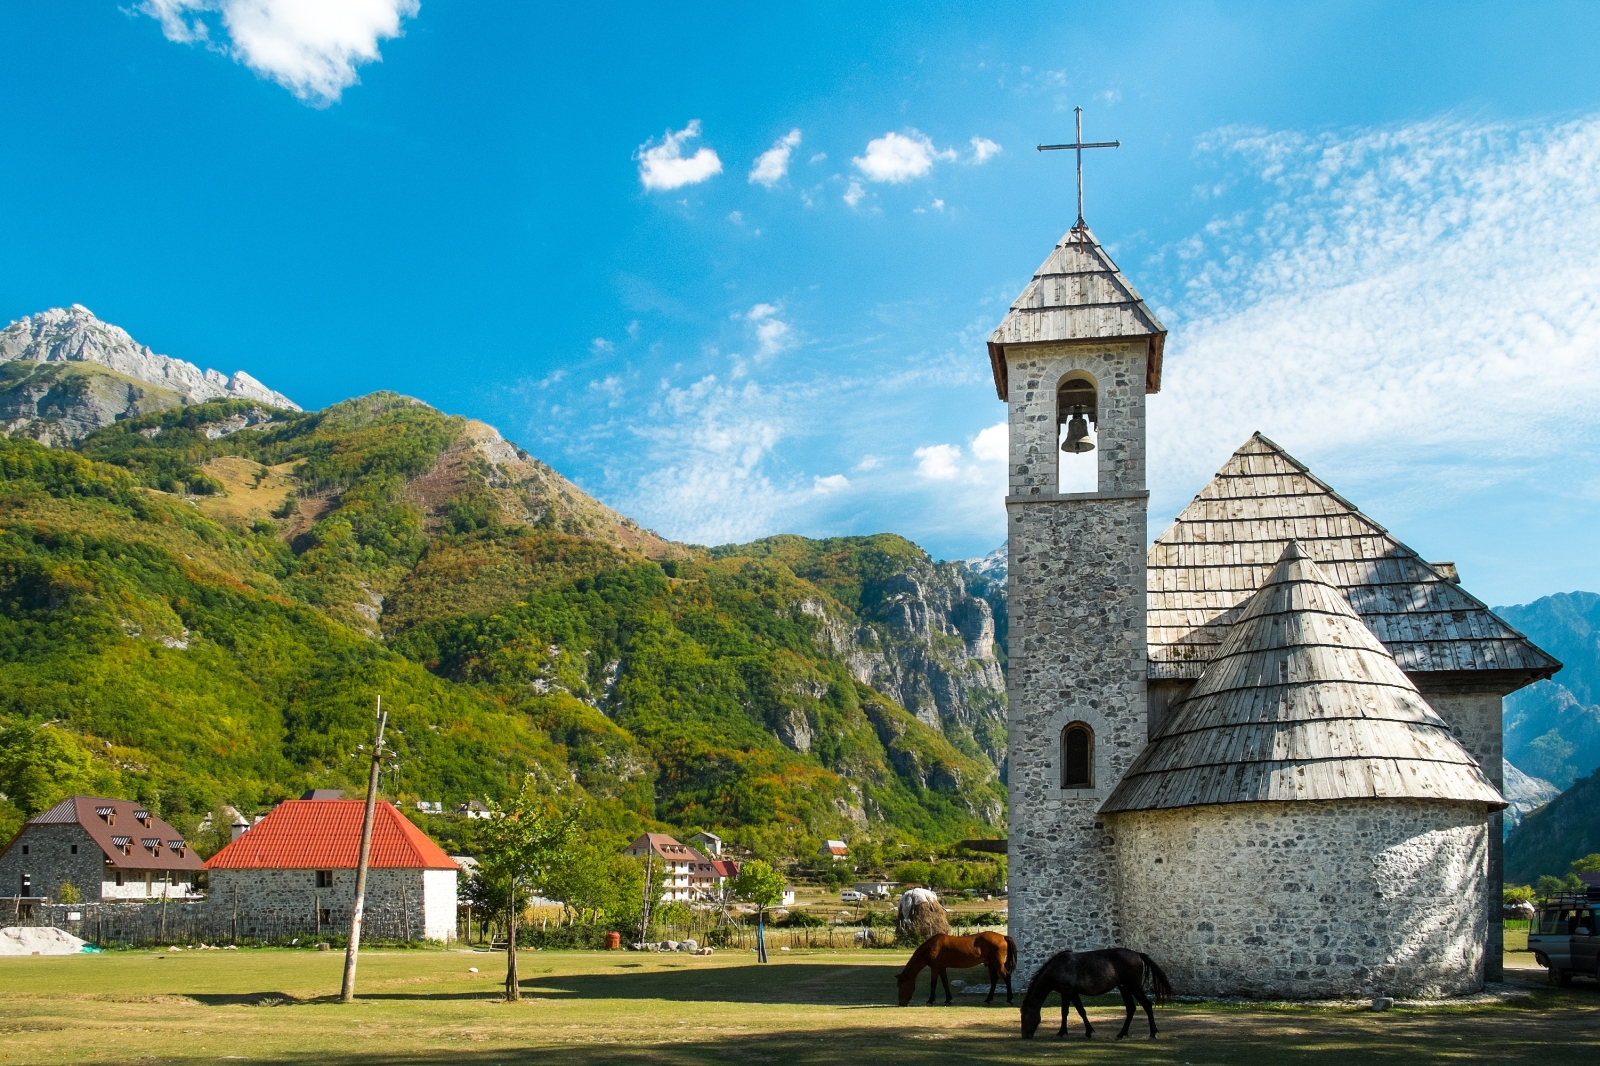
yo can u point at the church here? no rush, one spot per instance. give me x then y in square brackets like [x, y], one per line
[1264, 750]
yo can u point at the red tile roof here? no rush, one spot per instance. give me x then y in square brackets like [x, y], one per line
[326, 835]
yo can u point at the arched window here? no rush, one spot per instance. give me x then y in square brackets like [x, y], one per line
[1077, 424]
[1077, 756]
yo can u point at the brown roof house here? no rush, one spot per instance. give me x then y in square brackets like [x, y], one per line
[108, 849]
[683, 873]
[1265, 749]
[296, 870]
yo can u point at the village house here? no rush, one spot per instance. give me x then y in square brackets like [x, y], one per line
[109, 850]
[683, 873]
[837, 850]
[298, 865]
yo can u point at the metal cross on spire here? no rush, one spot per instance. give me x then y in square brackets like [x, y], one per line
[1078, 146]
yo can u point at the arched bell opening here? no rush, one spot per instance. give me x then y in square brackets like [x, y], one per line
[1077, 434]
[1077, 756]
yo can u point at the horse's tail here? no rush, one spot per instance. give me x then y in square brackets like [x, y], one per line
[1011, 957]
[1157, 979]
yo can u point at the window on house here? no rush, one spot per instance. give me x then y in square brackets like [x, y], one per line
[1077, 756]
[27, 885]
[324, 878]
[119, 878]
[74, 849]
[325, 916]
[24, 849]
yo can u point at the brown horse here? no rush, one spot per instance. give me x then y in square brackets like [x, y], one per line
[944, 952]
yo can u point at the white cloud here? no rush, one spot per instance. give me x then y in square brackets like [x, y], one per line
[600, 346]
[983, 150]
[819, 157]
[773, 334]
[773, 164]
[1109, 97]
[310, 47]
[1418, 303]
[854, 193]
[992, 445]
[898, 157]
[663, 166]
[939, 462]
[827, 486]
[869, 462]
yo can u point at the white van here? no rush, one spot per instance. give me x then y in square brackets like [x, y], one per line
[1566, 938]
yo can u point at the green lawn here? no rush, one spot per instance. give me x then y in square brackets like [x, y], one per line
[593, 1007]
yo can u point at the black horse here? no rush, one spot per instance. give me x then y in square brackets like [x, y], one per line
[1092, 973]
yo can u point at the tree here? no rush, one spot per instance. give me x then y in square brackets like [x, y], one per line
[522, 843]
[1517, 894]
[760, 884]
[1589, 864]
[595, 881]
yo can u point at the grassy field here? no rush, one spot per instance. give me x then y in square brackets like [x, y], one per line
[583, 1008]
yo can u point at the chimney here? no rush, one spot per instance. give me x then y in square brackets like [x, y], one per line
[239, 828]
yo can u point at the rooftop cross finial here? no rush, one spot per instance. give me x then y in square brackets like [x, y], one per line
[1078, 146]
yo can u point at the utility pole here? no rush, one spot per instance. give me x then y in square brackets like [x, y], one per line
[348, 993]
[644, 912]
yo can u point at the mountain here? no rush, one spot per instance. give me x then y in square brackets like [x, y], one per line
[1548, 840]
[1552, 728]
[64, 373]
[199, 605]
[1525, 794]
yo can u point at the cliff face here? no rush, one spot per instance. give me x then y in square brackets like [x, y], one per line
[1552, 728]
[64, 374]
[908, 627]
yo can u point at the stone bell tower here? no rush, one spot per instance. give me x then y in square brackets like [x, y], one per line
[1074, 360]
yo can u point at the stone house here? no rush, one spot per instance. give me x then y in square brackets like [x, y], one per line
[1265, 749]
[835, 850]
[109, 850]
[298, 866]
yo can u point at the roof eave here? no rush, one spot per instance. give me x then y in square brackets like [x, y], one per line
[1152, 365]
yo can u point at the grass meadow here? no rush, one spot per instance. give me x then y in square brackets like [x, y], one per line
[280, 1006]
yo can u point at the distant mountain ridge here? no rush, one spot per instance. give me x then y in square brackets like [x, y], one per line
[1552, 728]
[64, 373]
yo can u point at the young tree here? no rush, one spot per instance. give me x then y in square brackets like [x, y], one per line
[760, 884]
[522, 843]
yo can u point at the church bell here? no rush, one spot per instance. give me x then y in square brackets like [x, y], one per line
[1078, 435]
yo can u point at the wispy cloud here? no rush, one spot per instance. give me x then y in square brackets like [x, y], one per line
[310, 47]
[664, 166]
[854, 194]
[899, 157]
[1421, 303]
[772, 166]
[773, 334]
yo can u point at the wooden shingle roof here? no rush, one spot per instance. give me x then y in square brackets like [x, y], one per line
[1078, 294]
[1219, 550]
[1301, 702]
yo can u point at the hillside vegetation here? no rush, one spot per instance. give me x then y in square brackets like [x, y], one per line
[200, 606]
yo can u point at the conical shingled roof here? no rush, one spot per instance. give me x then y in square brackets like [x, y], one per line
[1078, 294]
[1216, 553]
[1302, 702]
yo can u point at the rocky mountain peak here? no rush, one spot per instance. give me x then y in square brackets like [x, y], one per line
[75, 335]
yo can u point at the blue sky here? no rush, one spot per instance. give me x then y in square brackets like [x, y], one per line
[1371, 229]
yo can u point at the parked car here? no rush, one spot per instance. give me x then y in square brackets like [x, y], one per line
[1566, 939]
[850, 895]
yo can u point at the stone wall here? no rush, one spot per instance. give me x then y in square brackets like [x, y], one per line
[1307, 900]
[1475, 719]
[1077, 595]
[403, 902]
[44, 854]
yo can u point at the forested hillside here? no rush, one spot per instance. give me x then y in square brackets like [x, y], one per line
[1552, 728]
[199, 607]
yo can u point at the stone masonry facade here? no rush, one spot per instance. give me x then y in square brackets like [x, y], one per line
[1475, 719]
[46, 856]
[1077, 640]
[1308, 900]
[417, 903]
